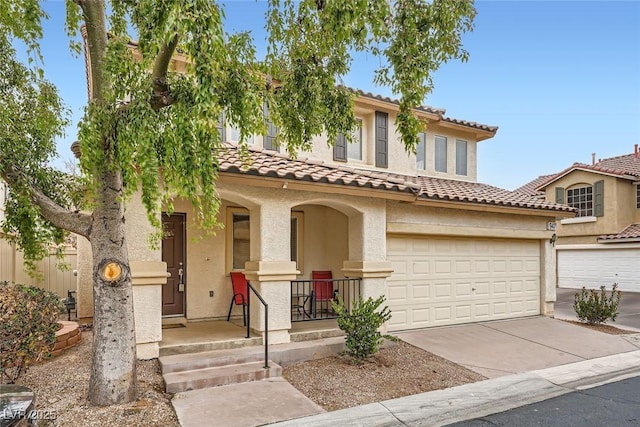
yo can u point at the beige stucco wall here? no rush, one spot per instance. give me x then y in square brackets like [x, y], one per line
[400, 161]
[445, 221]
[619, 207]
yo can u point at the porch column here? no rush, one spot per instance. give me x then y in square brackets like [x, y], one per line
[147, 278]
[368, 252]
[548, 279]
[271, 269]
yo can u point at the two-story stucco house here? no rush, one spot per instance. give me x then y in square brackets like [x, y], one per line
[419, 229]
[601, 245]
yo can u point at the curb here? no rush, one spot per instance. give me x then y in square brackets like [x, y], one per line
[447, 406]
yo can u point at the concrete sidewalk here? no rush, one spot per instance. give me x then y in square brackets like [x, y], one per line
[528, 360]
[442, 407]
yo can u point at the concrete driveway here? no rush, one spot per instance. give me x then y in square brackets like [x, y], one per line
[499, 348]
[629, 308]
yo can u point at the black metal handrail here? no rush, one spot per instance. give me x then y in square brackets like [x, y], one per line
[266, 321]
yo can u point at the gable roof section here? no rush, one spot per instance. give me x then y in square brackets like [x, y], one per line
[472, 192]
[269, 164]
[530, 188]
[624, 167]
[631, 233]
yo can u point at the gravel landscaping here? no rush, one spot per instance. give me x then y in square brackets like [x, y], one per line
[61, 385]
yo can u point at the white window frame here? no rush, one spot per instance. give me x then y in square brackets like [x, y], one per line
[585, 203]
[439, 138]
[354, 147]
[459, 160]
[421, 152]
[232, 211]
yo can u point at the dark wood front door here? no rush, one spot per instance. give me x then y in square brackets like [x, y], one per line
[173, 253]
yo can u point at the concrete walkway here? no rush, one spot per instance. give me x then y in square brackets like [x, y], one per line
[528, 360]
[495, 349]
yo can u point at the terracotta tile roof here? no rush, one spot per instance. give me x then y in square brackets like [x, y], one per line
[266, 163]
[628, 164]
[271, 164]
[531, 187]
[425, 108]
[626, 167]
[631, 232]
[471, 124]
[472, 192]
[439, 111]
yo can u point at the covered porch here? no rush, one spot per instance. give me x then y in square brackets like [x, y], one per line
[277, 239]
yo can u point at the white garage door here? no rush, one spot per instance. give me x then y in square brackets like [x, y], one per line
[596, 267]
[444, 281]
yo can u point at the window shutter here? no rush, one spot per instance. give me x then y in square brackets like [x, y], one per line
[560, 195]
[382, 139]
[269, 139]
[598, 205]
[421, 162]
[340, 148]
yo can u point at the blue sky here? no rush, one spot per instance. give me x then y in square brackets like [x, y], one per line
[560, 79]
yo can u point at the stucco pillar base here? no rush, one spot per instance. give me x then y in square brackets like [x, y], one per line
[147, 280]
[272, 279]
[374, 278]
[367, 269]
[548, 309]
[146, 351]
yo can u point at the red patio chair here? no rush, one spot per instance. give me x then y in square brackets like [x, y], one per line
[323, 292]
[239, 284]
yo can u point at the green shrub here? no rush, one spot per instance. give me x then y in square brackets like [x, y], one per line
[362, 325]
[597, 307]
[28, 324]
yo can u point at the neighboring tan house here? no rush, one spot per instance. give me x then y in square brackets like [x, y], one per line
[601, 245]
[418, 229]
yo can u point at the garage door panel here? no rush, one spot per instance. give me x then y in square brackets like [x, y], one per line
[453, 281]
[596, 267]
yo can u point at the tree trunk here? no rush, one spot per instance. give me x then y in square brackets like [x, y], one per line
[113, 369]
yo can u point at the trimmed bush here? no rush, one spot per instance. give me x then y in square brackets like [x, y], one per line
[28, 324]
[361, 326]
[594, 307]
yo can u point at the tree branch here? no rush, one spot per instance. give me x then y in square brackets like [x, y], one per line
[73, 221]
[93, 11]
[161, 90]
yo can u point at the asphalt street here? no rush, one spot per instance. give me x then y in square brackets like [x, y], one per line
[613, 404]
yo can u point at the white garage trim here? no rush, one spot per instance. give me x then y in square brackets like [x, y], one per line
[441, 281]
[598, 265]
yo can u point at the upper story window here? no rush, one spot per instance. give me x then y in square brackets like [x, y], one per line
[269, 139]
[354, 148]
[344, 149]
[587, 199]
[581, 198]
[638, 196]
[441, 154]
[421, 152]
[461, 157]
[234, 136]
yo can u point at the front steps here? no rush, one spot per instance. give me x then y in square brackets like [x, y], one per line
[219, 375]
[183, 372]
